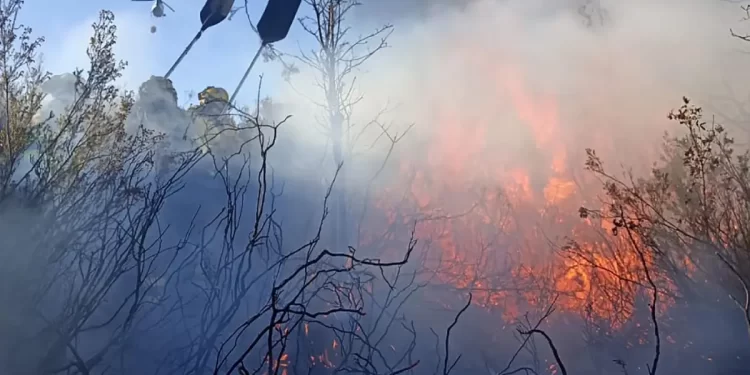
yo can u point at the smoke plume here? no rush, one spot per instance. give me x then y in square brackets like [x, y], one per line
[493, 86]
[490, 86]
[612, 69]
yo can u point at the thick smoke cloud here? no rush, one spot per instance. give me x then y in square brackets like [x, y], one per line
[612, 83]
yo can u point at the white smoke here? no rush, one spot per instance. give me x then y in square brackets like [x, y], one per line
[620, 77]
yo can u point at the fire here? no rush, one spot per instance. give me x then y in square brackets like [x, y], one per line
[326, 356]
[558, 190]
[518, 201]
[280, 366]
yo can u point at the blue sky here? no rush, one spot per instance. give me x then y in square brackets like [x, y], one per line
[228, 47]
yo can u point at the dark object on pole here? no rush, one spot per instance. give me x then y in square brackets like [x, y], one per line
[273, 26]
[277, 19]
[215, 11]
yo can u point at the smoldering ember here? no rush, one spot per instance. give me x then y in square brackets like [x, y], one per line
[470, 187]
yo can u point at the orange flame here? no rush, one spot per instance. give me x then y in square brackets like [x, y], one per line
[509, 233]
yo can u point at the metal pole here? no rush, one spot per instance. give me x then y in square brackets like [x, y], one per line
[188, 48]
[244, 77]
[184, 53]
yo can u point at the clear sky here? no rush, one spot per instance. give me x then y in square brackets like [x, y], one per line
[218, 59]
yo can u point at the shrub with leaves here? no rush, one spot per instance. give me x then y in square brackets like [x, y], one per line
[692, 214]
[79, 204]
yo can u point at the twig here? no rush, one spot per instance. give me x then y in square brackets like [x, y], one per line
[447, 369]
[552, 347]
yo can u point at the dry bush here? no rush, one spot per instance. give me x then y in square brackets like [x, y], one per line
[93, 280]
[79, 200]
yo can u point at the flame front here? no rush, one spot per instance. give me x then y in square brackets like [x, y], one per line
[507, 195]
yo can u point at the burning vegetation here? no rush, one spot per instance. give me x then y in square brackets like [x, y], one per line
[490, 236]
[524, 205]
